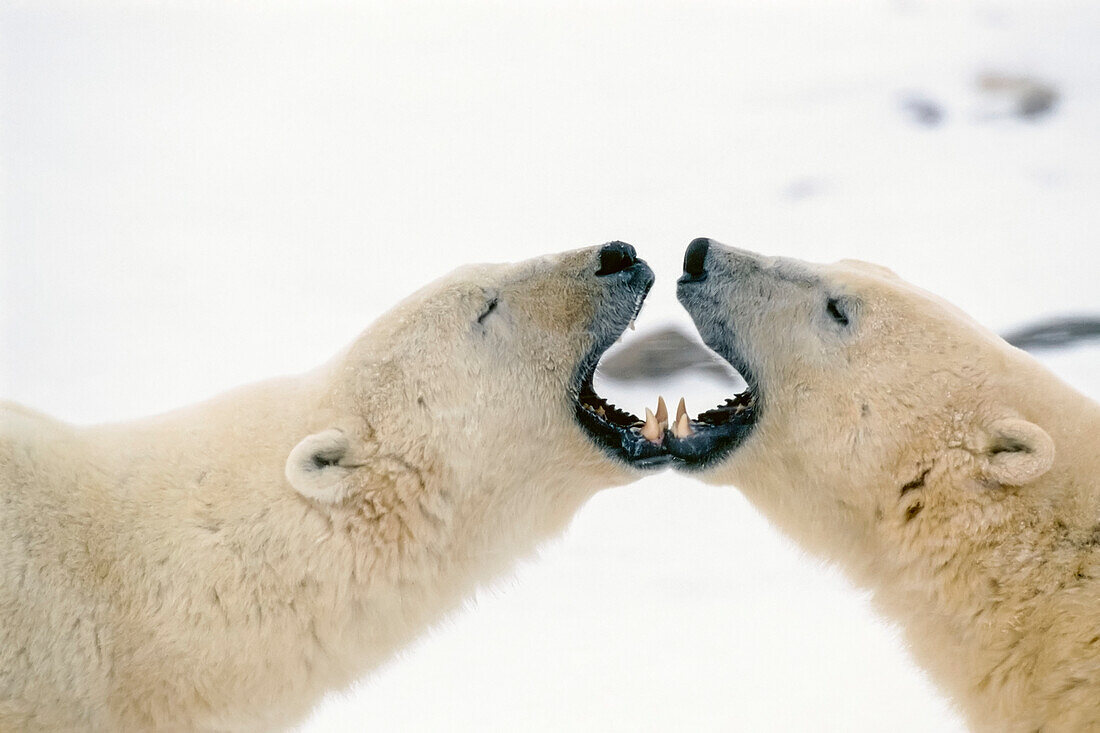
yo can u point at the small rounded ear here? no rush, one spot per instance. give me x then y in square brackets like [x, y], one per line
[1016, 452]
[313, 468]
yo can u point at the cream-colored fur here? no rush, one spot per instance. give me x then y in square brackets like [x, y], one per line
[222, 566]
[944, 469]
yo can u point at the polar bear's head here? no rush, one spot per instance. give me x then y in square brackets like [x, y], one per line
[482, 381]
[872, 405]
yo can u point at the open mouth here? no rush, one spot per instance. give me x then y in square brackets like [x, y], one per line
[657, 440]
[661, 438]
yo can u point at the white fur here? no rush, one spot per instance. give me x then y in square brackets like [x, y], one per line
[200, 571]
[949, 472]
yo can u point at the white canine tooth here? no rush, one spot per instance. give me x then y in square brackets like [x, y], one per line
[681, 410]
[662, 413]
[682, 428]
[651, 431]
[631, 324]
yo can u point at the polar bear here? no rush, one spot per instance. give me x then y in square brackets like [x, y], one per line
[222, 566]
[949, 472]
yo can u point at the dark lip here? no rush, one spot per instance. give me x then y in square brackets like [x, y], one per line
[716, 432]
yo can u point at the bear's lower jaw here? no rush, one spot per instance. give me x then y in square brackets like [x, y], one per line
[714, 434]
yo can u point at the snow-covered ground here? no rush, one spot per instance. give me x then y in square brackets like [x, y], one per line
[195, 197]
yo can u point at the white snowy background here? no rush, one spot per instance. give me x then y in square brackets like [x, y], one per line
[197, 196]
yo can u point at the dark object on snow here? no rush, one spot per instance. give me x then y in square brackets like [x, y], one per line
[1055, 333]
[922, 110]
[1022, 96]
[659, 354]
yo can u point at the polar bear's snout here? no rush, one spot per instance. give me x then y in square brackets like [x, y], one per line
[625, 436]
[628, 280]
[713, 434]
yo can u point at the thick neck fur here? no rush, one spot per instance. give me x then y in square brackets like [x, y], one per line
[279, 598]
[998, 587]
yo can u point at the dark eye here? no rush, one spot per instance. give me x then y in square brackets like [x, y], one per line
[489, 308]
[836, 311]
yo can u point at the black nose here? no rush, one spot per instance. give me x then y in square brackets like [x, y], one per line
[695, 259]
[616, 257]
